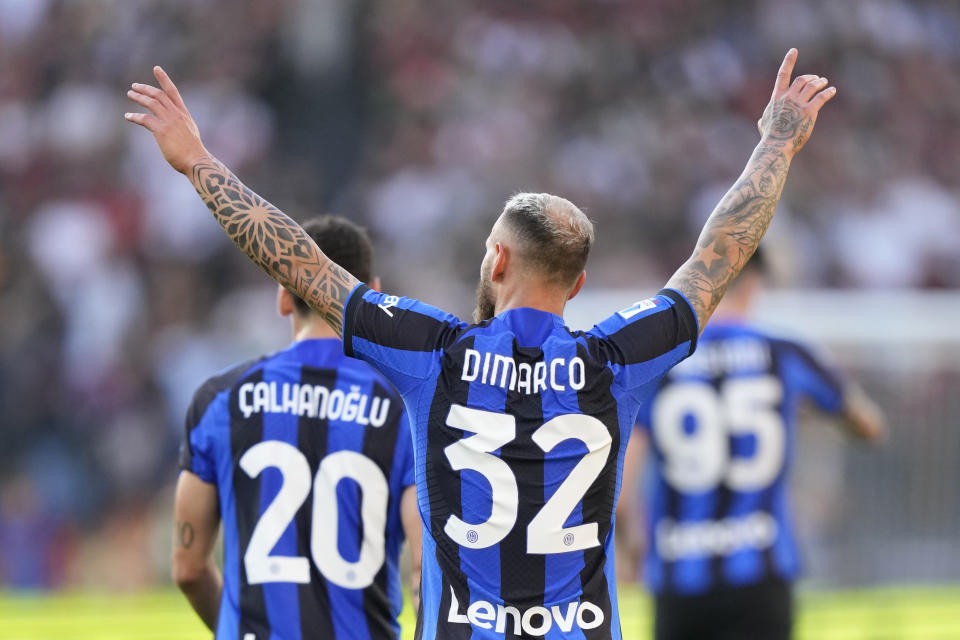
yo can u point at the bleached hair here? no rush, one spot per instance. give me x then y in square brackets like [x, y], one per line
[554, 235]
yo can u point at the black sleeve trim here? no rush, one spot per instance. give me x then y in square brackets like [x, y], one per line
[688, 319]
[348, 317]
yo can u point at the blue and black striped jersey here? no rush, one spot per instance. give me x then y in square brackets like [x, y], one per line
[310, 452]
[722, 433]
[520, 427]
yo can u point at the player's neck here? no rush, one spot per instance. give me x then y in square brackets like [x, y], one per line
[538, 299]
[311, 328]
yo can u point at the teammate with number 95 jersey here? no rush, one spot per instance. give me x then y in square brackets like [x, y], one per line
[305, 456]
[720, 553]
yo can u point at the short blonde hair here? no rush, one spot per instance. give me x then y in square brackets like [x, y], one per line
[554, 235]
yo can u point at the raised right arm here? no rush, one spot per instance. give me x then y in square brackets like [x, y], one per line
[737, 224]
[275, 242]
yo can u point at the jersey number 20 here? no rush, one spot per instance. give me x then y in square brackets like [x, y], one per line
[262, 567]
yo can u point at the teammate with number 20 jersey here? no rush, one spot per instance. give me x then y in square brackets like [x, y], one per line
[308, 455]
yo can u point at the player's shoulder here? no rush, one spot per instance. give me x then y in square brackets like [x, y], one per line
[782, 341]
[323, 358]
[662, 301]
[720, 329]
[361, 371]
[216, 384]
[389, 305]
[782, 345]
[802, 354]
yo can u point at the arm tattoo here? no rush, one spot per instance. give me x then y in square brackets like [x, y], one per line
[274, 242]
[737, 224]
[185, 534]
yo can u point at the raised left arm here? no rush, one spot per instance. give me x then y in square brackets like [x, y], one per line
[734, 229]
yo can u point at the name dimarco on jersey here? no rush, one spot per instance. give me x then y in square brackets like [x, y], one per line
[313, 401]
[503, 371]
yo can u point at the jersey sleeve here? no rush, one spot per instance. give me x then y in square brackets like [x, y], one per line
[403, 338]
[812, 376]
[196, 449]
[405, 452]
[643, 341]
[645, 414]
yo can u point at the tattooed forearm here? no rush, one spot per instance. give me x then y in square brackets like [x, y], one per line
[736, 226]
[276, 243]
[734, 230]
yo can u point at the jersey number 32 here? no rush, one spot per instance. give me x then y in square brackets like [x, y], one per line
[545, 531]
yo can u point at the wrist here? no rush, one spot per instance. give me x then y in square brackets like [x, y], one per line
[784, 148]
[200, 156]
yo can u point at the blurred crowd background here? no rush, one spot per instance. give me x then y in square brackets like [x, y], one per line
[119, 294]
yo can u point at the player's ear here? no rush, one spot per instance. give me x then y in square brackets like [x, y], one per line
[285, 305]
[579, 285]
[500, 258]
[374, 283]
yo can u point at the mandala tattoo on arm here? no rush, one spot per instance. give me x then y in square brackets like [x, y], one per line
[275, 242]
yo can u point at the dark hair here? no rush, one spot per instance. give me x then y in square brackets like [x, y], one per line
[757, 263]
[345, 243]
[554, 234]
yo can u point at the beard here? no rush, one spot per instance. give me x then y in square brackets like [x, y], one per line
[485, 305]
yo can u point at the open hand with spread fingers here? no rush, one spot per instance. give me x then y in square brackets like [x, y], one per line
[169, 121]
[788, 120]
[274, 241]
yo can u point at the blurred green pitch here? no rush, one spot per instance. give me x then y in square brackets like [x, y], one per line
[919, 613]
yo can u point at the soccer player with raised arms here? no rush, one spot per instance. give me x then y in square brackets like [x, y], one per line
[305, 456]
[519, 424]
